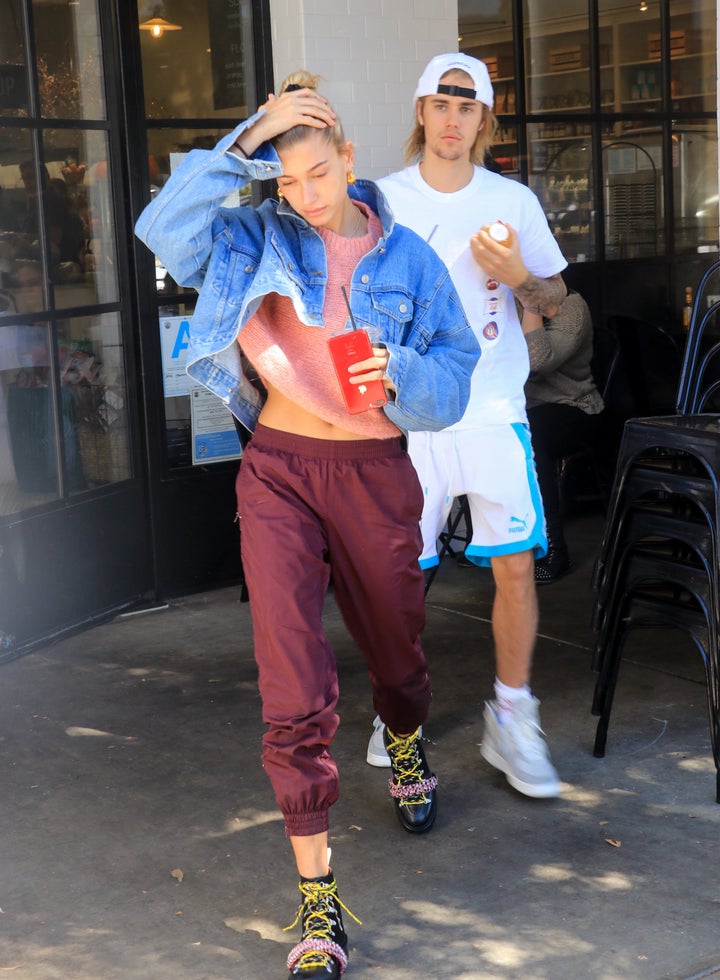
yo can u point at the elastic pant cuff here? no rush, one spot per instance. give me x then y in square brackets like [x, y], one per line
[306, 824]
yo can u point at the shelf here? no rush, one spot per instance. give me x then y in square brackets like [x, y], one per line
[641, 101]
[565, 108]
[565, 71]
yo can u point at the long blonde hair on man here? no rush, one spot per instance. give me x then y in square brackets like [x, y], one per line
[333, 134]
[414, 145]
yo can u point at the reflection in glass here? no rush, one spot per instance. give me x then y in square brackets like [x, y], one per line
[13, 78]
[92, 411]
[28, 443]
[92, 370]
[69, 198]
[695, 185]
[79, 159]
[70, 74]
[25, 197]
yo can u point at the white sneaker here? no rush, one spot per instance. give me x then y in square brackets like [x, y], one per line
[518, 749]
[376, 753]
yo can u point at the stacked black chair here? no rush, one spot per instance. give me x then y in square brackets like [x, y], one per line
[658, 565]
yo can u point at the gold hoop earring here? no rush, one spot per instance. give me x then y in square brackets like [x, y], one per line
[351, 178]
[280, 194]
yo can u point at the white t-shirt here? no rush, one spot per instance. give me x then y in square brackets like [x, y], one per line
[449, 221]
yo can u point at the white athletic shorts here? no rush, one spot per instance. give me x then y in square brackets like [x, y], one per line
[494, 468]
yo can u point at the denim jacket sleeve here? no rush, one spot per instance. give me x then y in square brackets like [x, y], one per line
[432, 348]
[433, 384]
[178, 225]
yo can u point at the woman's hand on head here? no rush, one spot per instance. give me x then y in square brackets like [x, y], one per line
[301, 107]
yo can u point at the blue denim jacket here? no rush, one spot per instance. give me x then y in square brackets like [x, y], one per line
[236, 256]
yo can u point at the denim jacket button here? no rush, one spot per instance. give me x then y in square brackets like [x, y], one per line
[365, 279]
[403, 307]
[249, 268]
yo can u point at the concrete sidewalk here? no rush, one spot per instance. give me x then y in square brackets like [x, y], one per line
[140, 837]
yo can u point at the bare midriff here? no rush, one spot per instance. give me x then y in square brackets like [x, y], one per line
[281, 412]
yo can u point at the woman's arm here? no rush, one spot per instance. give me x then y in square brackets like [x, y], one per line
[432, 387]
[558, 339]
[178, 224]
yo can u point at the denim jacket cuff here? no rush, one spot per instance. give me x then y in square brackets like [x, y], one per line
[263, 164]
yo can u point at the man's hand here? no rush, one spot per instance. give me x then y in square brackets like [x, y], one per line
[504, 263]
[500, 261]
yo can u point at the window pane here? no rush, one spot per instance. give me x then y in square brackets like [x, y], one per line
[198, 63]
[13, 79]
[173, 321]
[695, 185]
[70, 69]
[25, 201]
[561, 176]
[557, 64]
[633, 185]
[487, 34]
[92, 370]
[693, 68]
[85, 266]
[28, 440]
[637, 54]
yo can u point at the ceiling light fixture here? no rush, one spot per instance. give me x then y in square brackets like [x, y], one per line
[158, 25]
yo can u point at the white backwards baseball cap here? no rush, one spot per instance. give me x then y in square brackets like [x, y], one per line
[430, 83]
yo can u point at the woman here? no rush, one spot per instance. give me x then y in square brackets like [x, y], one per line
[320, 491]
[564, 410]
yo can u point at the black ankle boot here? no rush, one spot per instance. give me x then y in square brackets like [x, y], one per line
[322, 952]
[553, 566]
[413, 785]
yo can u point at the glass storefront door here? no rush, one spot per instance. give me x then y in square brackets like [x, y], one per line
[102, 505]
[74, 533]
[201, 76]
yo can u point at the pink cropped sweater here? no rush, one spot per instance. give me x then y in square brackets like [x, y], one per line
[294, 357]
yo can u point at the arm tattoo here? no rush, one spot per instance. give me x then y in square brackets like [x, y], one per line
[542, 296]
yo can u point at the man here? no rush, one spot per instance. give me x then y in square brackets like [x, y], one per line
[451, 200]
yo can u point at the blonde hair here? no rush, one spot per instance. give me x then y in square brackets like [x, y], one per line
[414, 145]
[332, 134]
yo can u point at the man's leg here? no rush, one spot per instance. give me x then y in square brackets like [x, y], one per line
[513, 740]
[514, 617]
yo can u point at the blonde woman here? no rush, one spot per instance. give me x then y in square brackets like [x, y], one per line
[321, 492]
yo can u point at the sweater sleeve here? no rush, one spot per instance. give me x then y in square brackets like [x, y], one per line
[561, 337]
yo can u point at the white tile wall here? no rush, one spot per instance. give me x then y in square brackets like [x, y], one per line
[370, 53]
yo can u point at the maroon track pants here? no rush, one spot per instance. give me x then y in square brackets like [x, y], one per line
[309, 509]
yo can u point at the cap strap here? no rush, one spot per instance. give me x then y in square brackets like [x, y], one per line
[463, 93]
